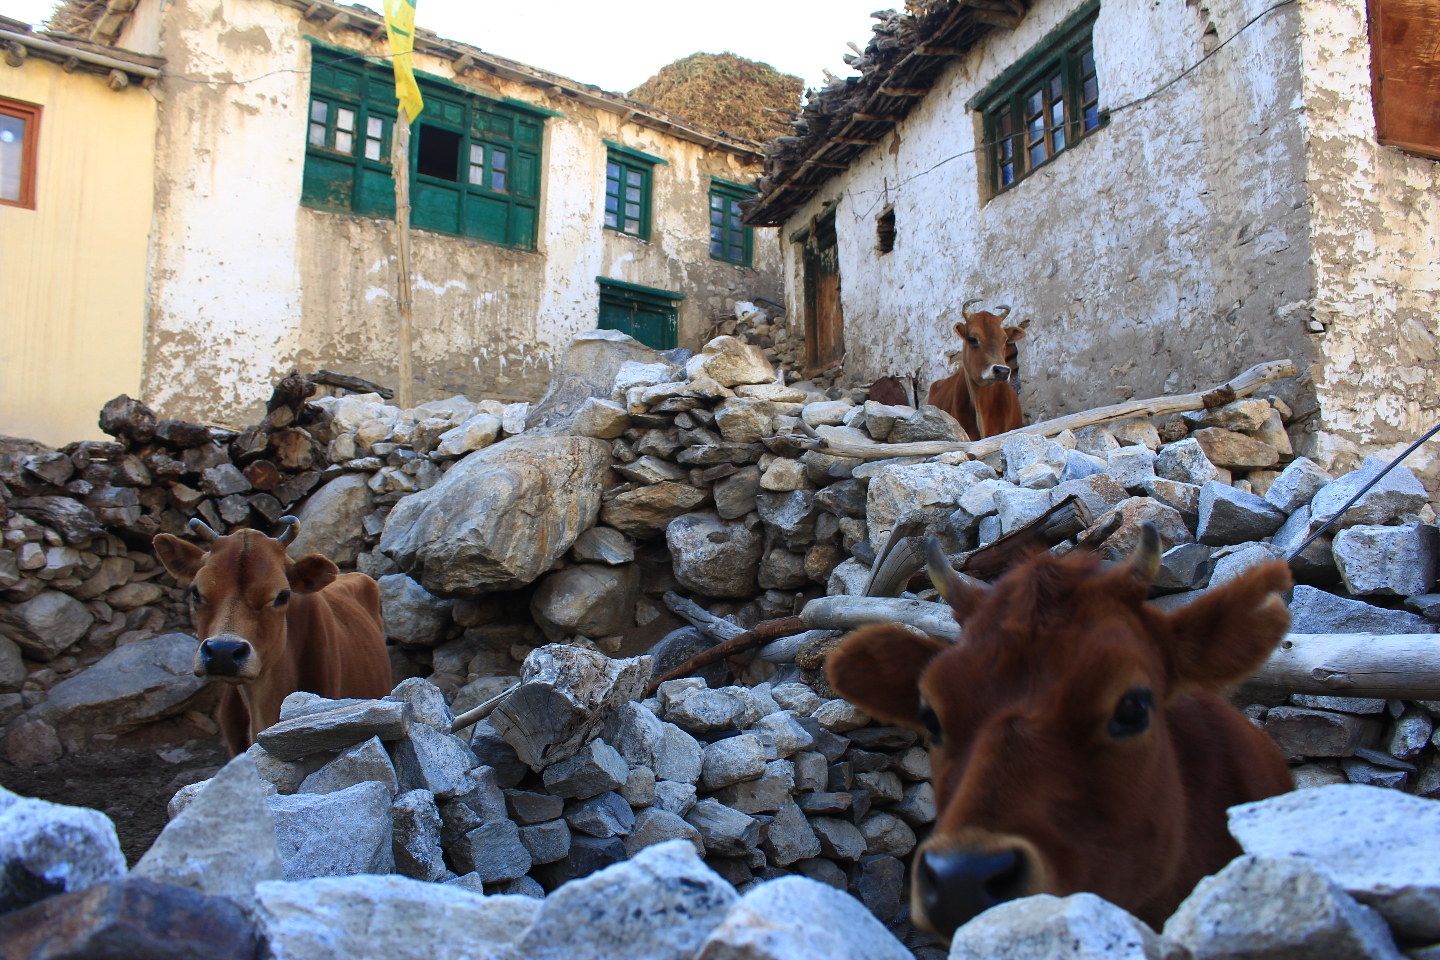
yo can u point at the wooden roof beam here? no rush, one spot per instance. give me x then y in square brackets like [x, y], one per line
[904, 91]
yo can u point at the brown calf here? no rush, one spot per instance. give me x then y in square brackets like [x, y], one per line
[269, 625]
[980, 394]
[1077, 738]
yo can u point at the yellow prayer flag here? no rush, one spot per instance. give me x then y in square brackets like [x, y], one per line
[400, 25]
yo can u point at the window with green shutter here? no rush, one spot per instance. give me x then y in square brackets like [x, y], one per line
[649, 315]
[629, 179]
[474, 161]
[730, 240]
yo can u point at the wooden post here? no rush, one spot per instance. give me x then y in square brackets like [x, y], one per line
[400, 167]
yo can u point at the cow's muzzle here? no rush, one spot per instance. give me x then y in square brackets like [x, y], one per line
[954, 886]
[226, 657]
[996, 373]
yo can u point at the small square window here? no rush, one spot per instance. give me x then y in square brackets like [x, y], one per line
[627, 195]
[19, 141]
[730, 239]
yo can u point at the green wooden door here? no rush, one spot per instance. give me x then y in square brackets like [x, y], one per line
[652, 324]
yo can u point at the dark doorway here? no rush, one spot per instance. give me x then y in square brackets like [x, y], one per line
[438, 154]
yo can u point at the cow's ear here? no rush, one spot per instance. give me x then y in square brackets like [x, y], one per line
[1225, 634]
[962, 329]
[182, 559]
[1014, 333]
[878, 668]
[312, 573]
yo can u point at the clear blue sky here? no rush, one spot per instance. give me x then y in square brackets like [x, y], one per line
[617, 48]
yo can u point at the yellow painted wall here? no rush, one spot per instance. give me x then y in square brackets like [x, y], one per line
[72, 271]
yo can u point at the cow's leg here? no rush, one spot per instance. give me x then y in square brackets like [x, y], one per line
[234, 720]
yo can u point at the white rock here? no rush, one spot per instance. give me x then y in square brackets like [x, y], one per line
[387, 918]
[839, 715]
[48, 847]
[601, 917]
[796, 918]
[1378, 845]
[1078, 927]
[602, 419]
[1281, 907]
[334, 834]
[474, 434]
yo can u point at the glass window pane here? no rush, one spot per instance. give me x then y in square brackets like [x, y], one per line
[717, 216]
[632, 209]
[1090, 90]
[717, 249]
[734, 223]
[1056, 90]
[477, 153]
[1092, 118]
[497, 181]
[1034, 103]
[1037, 154]
[632, 194]
[737, 254]
[633, 178]
[1087, 62]
[1036, 128]
[372, 149]
[317, 134]
[344, 142]
[612, 203]
[12, 157]
[632, 226]
[612, 171]
[319, 110]
[477, 174]
[717, 233]
[1006, 127]
[611, 220]
[1059, 134]
[1007, 174]
[344, 119]
[716, 203]
[498, 159]
[1057, 123]
[375, 127]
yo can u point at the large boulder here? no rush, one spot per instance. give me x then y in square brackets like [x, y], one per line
[413, 616]
[391, 917]
[138, 683]
[49, 848]
[925, 490]
[645, 513]
[500, 517]
[566, 694]
[587, 369]
[795, 917]
[1078, 927]
[730, 362]
[1394, 561]
[1396, 493]
[714, 557]
[330, 520]
[334, 834]
[601, 916]
[1368, 840]
[223, 842]
[592, 600]
[1315, 611]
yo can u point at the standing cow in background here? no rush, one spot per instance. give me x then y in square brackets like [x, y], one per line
[269, 626]
[979, 394]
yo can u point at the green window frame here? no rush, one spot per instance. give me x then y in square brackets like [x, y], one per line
[1044, 105]
[645, 313]
[730, 240]
[474, 161]
[629, 187]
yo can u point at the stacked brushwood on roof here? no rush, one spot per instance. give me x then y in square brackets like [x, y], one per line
[726, 92]
[906, 54]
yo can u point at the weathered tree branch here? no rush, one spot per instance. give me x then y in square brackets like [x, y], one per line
[763, 633]
[1403, 666]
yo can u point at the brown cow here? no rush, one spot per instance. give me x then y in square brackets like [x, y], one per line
[1077, 738]
[980, 394]
[269, 625]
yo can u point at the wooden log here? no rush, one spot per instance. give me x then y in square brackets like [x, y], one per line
[717, 628]
[1403, 666]
[484, 710]
[847, 613]
[764, 632]
[1056, 525]
[784, 649]
[1241, 386]
[346, 382]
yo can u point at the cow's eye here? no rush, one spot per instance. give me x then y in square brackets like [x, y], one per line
[282, 598]
[195, 594]
[931, 723]
[1132, 713]
[973, 341]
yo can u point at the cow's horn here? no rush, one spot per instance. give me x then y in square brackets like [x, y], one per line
[965, 307]
[1145, 559]
[1005, 307]
[954, 587]
[202, 530]
[291, 531]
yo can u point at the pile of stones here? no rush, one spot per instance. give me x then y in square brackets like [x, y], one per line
[356, 863]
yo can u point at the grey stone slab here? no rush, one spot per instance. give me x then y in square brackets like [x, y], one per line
[789, 836]
[426, 759]
[1398, 492]
[604, 815]
[494, 850]
[1229, 515]
[1297, 485]
[839, 840]
[1078, 927]
[1318, 733]
[594, 770]
[334, 834]
[732, 760]
[415, 837]
[654, 826]
[546, 842]
[358, 764]
[725, 832]
[1315, 611]
[336, 729]
[1390, 561]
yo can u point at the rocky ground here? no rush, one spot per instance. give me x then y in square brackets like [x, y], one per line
[559, 549]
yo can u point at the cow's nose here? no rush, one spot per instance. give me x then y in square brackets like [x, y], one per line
[224, 658]
[954, 886]
[1000, 372]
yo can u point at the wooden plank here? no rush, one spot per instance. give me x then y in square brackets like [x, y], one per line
[877, 118]
[1241, 386]
[904, 91]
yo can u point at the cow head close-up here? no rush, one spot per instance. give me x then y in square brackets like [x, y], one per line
[240, 590]
[987, 345]
[1064, 727]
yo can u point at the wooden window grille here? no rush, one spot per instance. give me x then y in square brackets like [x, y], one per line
[474, 161]
[730, 240]
[1047, 107]
[627, 195]
[19, 149]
